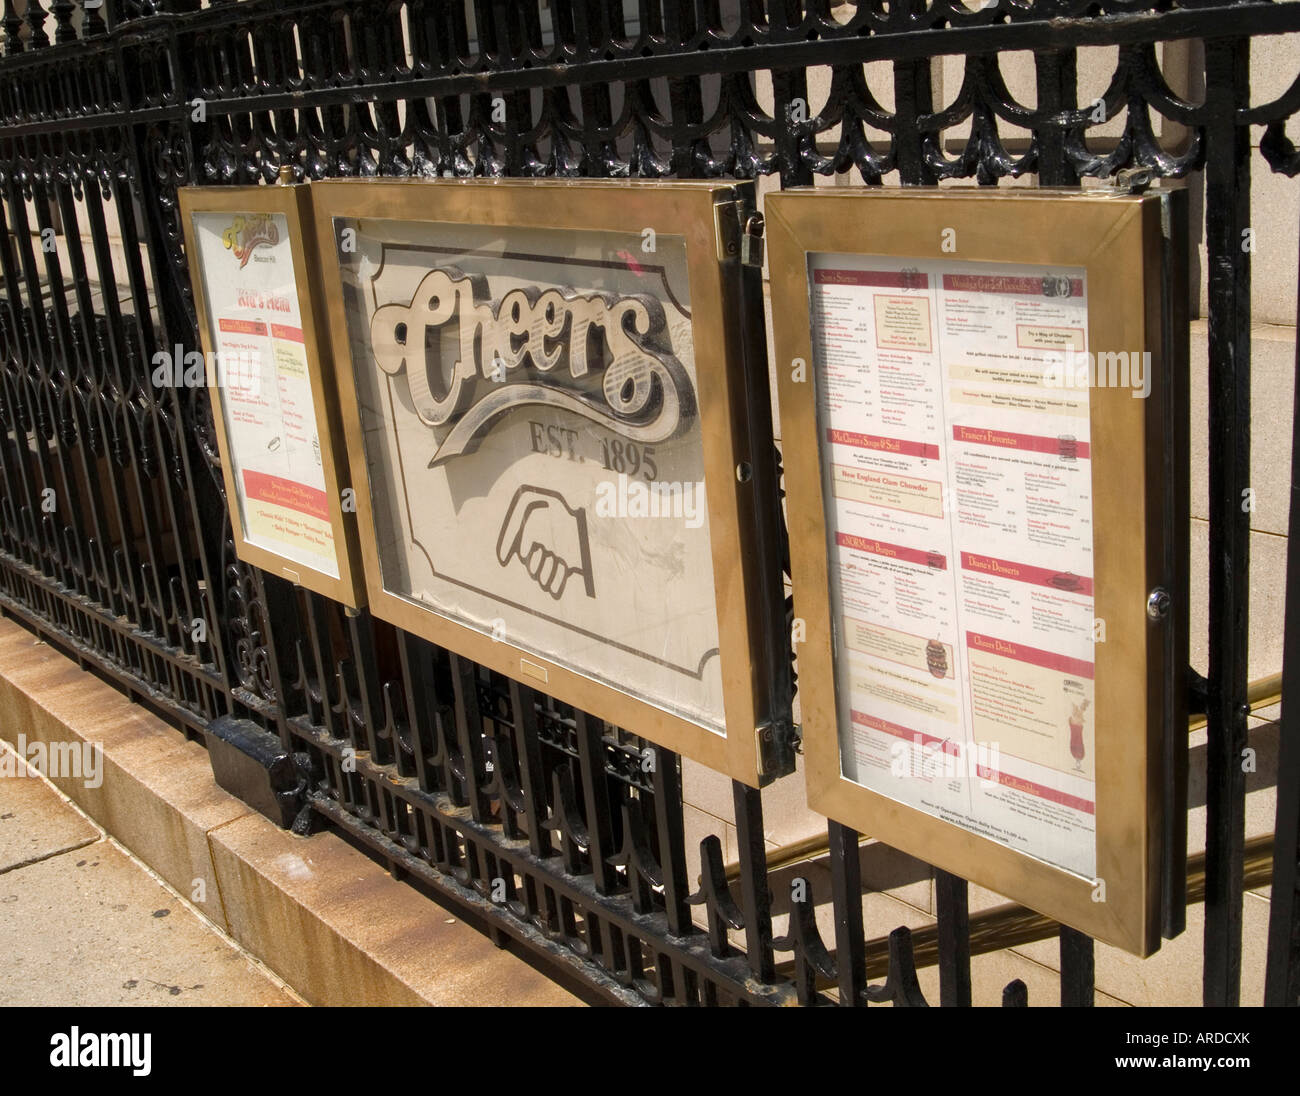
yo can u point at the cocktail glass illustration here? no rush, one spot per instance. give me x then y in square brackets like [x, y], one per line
[1078, 705]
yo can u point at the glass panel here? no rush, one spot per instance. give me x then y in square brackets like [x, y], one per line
[264, 385]
[953, 407]
[529, 418]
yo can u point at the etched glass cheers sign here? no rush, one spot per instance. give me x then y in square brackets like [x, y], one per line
[606, 359]
[529, 416]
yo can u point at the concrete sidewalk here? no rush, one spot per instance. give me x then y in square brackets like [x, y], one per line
[316, 913]
[83, 922]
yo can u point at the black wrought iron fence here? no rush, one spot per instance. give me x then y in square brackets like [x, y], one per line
[115, 544]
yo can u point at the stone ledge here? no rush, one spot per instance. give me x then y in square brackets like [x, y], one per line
[319, 913]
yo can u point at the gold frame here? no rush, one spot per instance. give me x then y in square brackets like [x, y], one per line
[1118, 239]
[294, 203]
[688, 209]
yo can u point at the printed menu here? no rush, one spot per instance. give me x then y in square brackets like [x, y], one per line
[958, 488]
[264, 384]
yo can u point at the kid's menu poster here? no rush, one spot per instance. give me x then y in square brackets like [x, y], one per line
[264, 384]
[958, 488]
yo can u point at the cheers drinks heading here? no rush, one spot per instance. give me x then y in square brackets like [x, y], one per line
[596, 355]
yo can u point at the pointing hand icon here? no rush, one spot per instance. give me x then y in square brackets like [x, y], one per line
[548, 537]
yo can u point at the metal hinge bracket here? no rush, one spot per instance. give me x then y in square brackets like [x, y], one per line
[1133, 180]
[726, 220]
[775, 749]
[739, 233]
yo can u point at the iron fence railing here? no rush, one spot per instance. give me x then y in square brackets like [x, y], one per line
[115, 543]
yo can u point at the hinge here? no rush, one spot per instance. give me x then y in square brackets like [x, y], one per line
[765, 742]
[775, 749]
[726, 220]
[739, 233]
[1133, 180]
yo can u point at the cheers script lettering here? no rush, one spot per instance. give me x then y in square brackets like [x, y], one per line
[591, 354]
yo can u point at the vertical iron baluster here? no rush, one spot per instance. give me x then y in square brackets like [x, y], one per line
[953, 915]
[42, 346]
[1057, 91]
[789, 86]
[1076, 969]
[597, 807]
[424, 709]
[279, 610]
[755, 898]
[913, 97]
[322, 650]
[846, 900]
[13, 25]
[1282, 978]
[361, 631]
[167, 408]
[672, 839]
[532, 771]
[684, 96]
[37, 37]
[138, 343]
[17, 393]
[469, 729]
[113, 370]
[1227, 189]
[90, 501]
